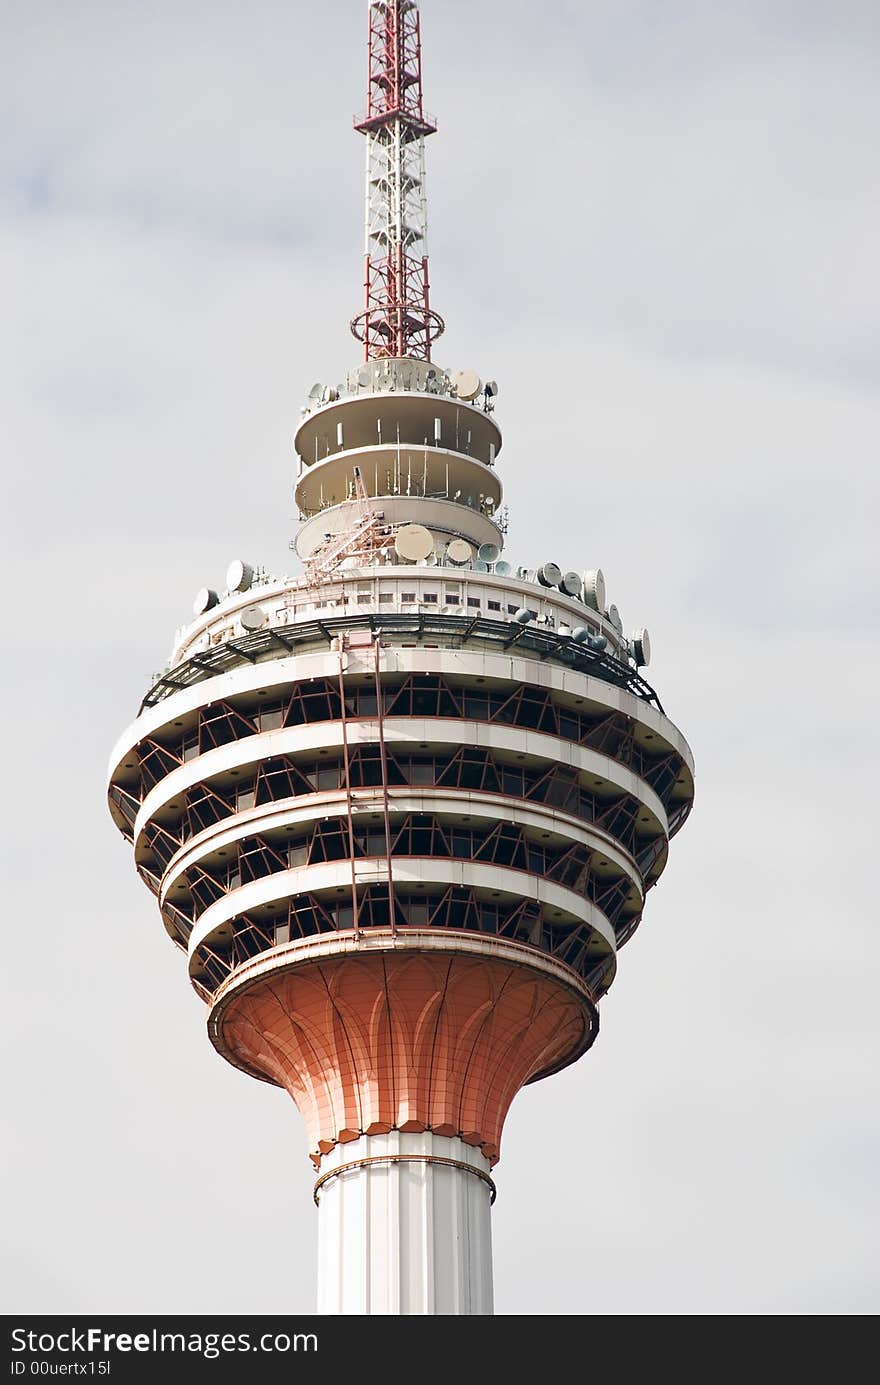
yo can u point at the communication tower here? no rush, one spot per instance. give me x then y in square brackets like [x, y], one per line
[401, 812]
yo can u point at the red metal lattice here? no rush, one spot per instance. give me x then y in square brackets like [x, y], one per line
[397, 319]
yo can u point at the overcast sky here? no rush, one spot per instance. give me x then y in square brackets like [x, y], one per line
[656, 226]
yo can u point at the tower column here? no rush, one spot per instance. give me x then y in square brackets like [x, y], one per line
[404, 1227]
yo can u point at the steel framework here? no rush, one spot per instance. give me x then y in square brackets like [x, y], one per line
[397, 319]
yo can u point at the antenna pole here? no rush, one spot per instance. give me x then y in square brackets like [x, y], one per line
[397, 319]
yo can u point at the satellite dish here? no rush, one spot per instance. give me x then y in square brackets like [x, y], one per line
[641, 647]
[467, 383]
[413, 542]
[316, 391]
[254, 618]
[598, 642]
[571, 584]
[594, 589]
[580, 634]
[431, 560]
[489, 552]
[479, 565]
[549, 575]
[239, 576]
[502, 568]
[490, 388]
[614, 616]
[328, 394]
[206, 598]
[459, 552]
[364, 378]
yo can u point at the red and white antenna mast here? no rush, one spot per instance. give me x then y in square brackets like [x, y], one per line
[397, 319]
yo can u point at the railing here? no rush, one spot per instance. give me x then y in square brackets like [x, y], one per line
[252, 647]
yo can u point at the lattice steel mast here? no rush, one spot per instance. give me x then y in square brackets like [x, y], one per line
[397, 319]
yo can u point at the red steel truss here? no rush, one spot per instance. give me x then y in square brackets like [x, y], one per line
[397, 319]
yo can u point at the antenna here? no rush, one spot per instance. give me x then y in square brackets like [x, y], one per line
[459, 552]
[640, 645]
[239, 576]
[594, 589]
[206, 600]
[549, 575]
[413, 542]
[468, 384]
[397, 319]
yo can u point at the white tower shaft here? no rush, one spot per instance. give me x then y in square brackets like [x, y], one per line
[404, 1227]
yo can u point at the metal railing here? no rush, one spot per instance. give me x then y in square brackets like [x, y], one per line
[260, 645]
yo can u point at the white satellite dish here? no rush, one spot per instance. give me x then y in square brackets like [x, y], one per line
[640, 643]
[413, 542]
[490, 388]
[239, 576]
[459, 552]
[502, 568]
[316, 391]
[254, 618]
[206, 598]
[571, 584]
[549, 575]
[467, 383]
[489, 552]
[479, 565]
[614, 616]
[594, 589]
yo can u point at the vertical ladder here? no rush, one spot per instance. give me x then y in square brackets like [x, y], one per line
[380, 713]
[348, 797]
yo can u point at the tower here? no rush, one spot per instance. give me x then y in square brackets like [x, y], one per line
[400, 812]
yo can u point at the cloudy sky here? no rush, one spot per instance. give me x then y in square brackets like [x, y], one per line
[656, 226]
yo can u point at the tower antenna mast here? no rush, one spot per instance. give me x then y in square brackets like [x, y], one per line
[397, 319]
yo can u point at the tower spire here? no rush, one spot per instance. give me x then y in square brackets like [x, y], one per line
[397, 319]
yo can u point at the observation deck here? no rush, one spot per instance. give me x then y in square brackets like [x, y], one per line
[453, 761]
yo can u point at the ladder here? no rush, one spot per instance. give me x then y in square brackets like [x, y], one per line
[359, 537]
[349, 792]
